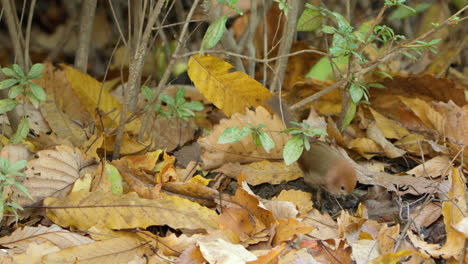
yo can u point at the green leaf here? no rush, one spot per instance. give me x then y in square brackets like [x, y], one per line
[349, 115]
[310, 20]
[386, 74]
[293, 149]
[9, 72]
[17, 165]
[18, 70]
[35, 71]
[7, 105]
[356, 92]
[4, 164]
[266, 141]
[38, 92]
[376, 85]
[232, 135]
[33, 99]
[319, 132]
[22, 132]
[214, 33]
[15, 91]
[401, 12]
[115, 179]
[22, 188]
[179, 97]
[328, 29]
[147, 93]
[7, 83]
[194, 105]
[167, 99]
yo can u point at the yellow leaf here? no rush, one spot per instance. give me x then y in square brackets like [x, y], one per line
[198, 179]
[230, 91]
[84, 210]
[92, 95]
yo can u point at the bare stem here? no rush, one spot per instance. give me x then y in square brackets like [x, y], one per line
[84, 36]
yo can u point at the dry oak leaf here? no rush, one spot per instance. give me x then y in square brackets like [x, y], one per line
[435, 167]
[366, 147]
[302, 200]
[374, 133]
[231, 92]
[263, 172]
[114, 250]
[456, 122]
[389, 128]
[426, 113]
[21, 238]
[244, 151]
[102, 209]
[63, 112]
[454, 209]
[220, 251]
[53, 173]
[34, 253]
[287, 229]
[238, 221]
[93, 96]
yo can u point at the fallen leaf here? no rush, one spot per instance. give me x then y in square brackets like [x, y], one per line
[232, 92]
[263, 172]
[433, 168]
[84, 210]
[214, 154]
[222, 252]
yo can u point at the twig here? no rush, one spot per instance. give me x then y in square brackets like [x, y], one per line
[88, 10]
[13, 30]
[27, 59]
[134, 76]
[289, 30]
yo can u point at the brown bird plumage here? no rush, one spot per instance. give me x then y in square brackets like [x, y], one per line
[322, 165]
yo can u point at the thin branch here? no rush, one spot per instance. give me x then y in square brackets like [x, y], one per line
[27, 59]
[88, 10]
[289, 30]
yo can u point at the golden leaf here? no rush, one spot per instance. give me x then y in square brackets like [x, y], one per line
[231, 92]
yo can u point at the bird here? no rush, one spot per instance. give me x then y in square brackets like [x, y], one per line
[324, 168]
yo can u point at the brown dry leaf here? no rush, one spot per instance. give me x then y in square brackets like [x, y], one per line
[248, 200]
[374, 133]
[365, 250]
[91, 146]
[238, 221]
[222, 252]
[425, 214]
[35, 253]
[433, 168]
[115, 250]
[417, 144]
[389, 128]
[92, 95]
[174, 245]
[366, 147]
[271, 256]
[61, 238]
[102, 209]
[133, 177]
[393, 257]
[462, 226]
[195, 192]
[456, 122]
[232, 92]
[214, 155]
[287, 229]
[387, 237]
[143, 162]
[53, 173]
[325, 226]
[263, 172]
[302, 200]
[281, 209]
[453, 211]
[62, 110]
[428, 115]
[191, 255]
[169, 134]
[15, 153]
